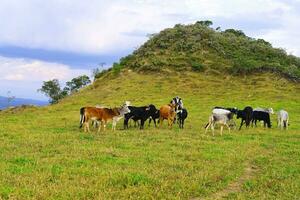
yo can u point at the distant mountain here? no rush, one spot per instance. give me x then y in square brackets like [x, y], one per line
[20, 101]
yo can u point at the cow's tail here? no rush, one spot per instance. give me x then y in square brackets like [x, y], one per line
[206, 125]
[210, 119]
[82, 118]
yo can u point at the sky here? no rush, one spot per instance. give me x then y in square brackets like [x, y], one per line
[42, 40]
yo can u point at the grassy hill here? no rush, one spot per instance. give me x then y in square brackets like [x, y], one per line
[201, 48]
[45, 156]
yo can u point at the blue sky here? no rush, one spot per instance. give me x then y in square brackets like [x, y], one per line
[42, 40]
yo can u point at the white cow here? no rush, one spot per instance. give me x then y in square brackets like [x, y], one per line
[283, 119]
[221, 119]
[221, 111]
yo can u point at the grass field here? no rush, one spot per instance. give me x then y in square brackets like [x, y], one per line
[45, 156]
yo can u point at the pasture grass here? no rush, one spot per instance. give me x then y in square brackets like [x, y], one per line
[44, 155]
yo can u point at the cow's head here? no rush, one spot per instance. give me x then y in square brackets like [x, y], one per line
[177, 101]
[151, 108]
[124, 108]
[239, 114]
[270, 110]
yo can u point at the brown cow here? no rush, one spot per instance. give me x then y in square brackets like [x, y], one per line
[167, 112]
[102, 115]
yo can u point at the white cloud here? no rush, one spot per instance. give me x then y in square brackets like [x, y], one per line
[35, 70]
[98, 26]
[24, 76]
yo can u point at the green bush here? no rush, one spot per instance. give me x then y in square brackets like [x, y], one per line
[116, 69]
[198, 67]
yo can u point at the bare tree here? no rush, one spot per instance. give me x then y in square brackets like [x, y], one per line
[10, 98]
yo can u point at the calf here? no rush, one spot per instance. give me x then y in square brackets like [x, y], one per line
[261, 116]
[230, 111]
[178, 103]
[103, 115]
[246, 115]
[283, 119]
[221, 119]
[139, 113]
[167, 112]
[154, 118]
[182, 115]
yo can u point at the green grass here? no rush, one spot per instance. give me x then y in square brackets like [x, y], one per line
[44, 155]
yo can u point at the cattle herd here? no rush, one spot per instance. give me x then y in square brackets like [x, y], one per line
[174, 111]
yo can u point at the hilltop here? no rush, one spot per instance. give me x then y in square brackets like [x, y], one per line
[199, 47]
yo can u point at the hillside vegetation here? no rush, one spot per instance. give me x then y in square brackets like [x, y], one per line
[45, 156]
[201, 48]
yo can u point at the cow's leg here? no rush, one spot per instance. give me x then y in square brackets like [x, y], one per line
[84, 127]
[213, 129]
[125, 124]
[154, 121]
[87, 126]
[170, 122]
[221, 130]
[160, 122]
[100, 126]
[241, 124]
[228, 127]
[207, 127]
[114, 123]
[104, 125]
[142, 124]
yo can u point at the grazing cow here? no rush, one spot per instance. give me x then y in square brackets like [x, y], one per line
[154, 118]
[246, 115]
[177, 101]
[103, 115]
[167, 112]
[139, 113]
[268, 110]
[283, 119]
[261, 116]
[182, 115]
[221, 119]
[221, 110]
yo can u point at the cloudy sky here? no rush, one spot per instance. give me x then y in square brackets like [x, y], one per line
[41, 40]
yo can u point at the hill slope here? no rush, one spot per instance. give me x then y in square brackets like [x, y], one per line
[45, 155]
[199, 47]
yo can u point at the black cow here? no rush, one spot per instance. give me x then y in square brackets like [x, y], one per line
[154, 118]
[261, 116]
[246, 115]
[182, 115]
[139, 113]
